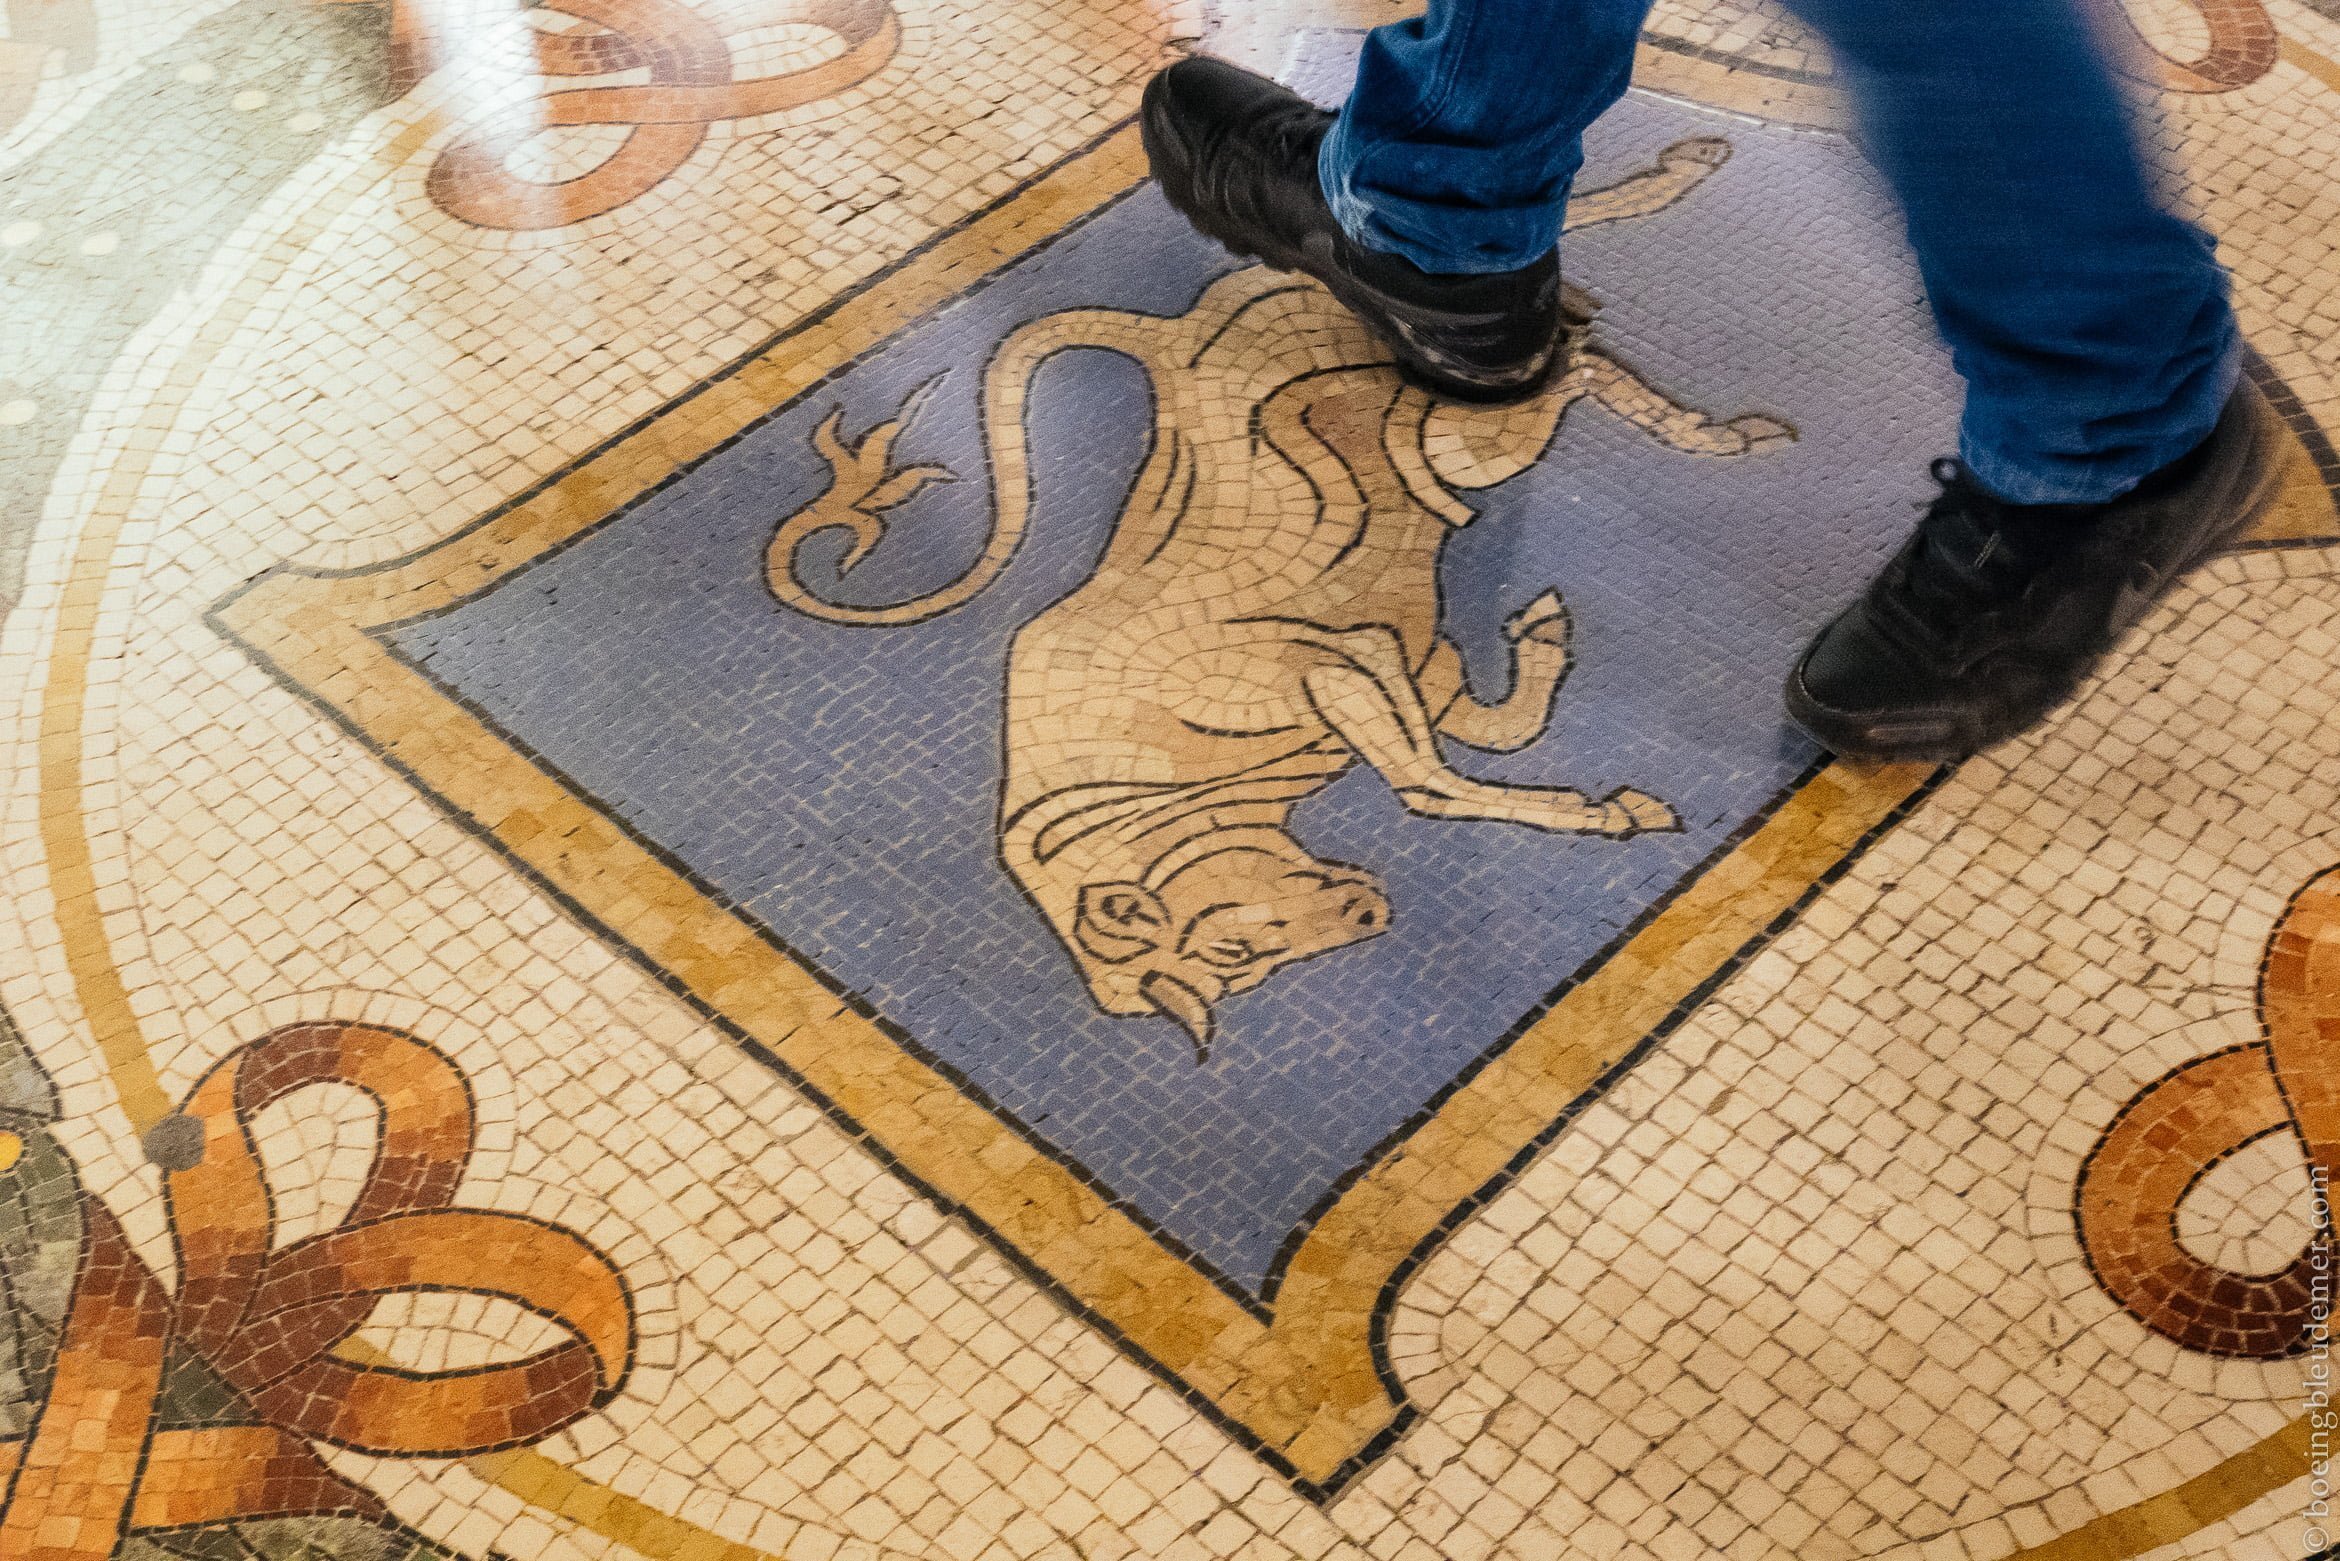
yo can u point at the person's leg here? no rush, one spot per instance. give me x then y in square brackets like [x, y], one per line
[2107, 447]
[1431, 204]
[1458, 143]
[2090, 324]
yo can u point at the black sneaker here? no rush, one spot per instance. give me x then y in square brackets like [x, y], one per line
[1992, 614]
[1236, 154]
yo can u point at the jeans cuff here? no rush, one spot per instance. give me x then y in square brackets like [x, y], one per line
[2035, 477]
[1348, 207]
[1365, 225]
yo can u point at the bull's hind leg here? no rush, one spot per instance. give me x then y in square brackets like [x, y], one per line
[1538, 634]
[1369, 699]
[1614, 386]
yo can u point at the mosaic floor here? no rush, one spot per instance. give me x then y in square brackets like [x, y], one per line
[661, 903]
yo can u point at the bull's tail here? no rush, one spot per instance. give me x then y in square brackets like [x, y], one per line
[865, 483]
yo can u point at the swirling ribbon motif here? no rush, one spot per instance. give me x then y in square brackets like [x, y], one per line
[666, 118]
[269, 1323]
[2174, 1130]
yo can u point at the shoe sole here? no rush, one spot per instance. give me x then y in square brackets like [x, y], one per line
[1944, 735]
[1175, 175]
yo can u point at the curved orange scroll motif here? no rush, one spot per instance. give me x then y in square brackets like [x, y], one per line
[2242, 48]
[690, 87]
[2176, 1129]
[269, 1323]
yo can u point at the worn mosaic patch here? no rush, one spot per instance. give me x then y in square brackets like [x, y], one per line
[1202, 809]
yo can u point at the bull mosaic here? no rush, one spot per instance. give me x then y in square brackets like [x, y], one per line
[1264, 618]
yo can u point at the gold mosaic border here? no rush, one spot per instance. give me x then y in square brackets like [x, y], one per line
[1308, 1387]
[67, 845]
[1678, 69]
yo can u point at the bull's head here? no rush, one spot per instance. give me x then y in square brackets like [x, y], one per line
[1222, 920]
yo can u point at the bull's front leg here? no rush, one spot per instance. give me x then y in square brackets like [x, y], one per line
[1538, 634]
[1367, 696]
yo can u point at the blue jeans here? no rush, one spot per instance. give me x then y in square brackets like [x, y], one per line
[2090, 323]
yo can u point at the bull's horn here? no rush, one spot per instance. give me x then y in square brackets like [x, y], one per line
[1174, 999]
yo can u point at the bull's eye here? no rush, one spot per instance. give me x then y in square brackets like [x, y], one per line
[1128, 908]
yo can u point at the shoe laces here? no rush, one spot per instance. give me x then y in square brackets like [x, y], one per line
[1295, 132]
[1965, 560]
[1287, 132]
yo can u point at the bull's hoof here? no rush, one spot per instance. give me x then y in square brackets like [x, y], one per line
[1544, 620]
[1760, 433]
[1696, 152]
[1639, 813]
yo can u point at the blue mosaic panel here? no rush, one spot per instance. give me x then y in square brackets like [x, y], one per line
[841, 785]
